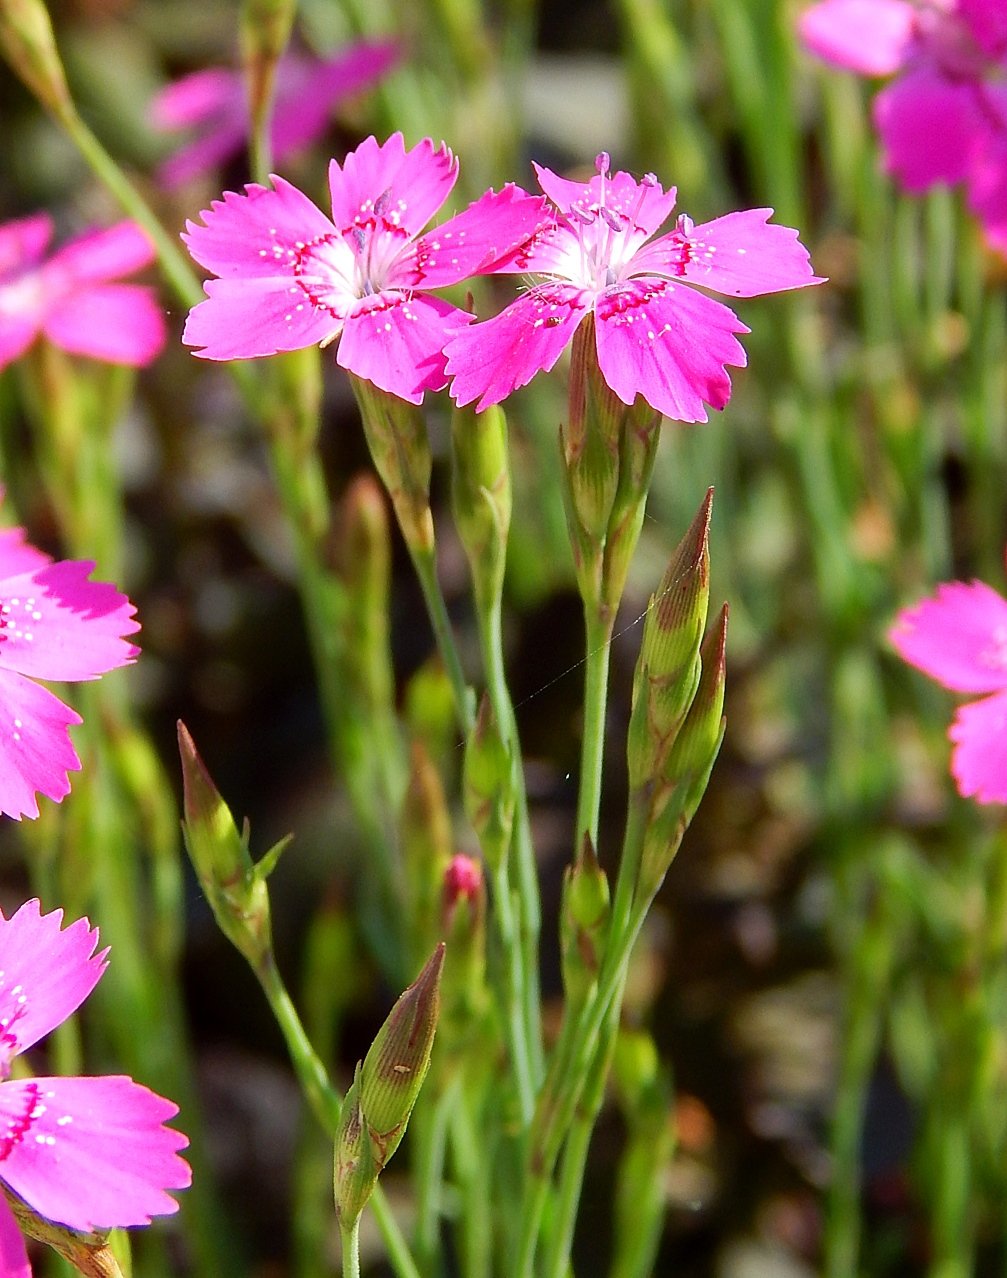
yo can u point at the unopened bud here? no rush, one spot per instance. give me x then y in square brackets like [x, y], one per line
[28, 44]
[481, 495]
[584, 919]
[489, 798]
[463, 884]
[394, 1068]
[233, 884]
[355, 1172]
[668, 669]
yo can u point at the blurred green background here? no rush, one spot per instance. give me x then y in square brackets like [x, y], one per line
[825, 973]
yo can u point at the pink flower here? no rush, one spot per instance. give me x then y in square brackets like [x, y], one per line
[87, 1153]
[944, 117]
[69, 297]
[308, 89]
[291, 278]
[54, 624]
[655, 337]
[959, 638]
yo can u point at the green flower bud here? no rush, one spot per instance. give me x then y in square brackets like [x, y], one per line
[355, 1173]
[28, 44]
[488, 789]
[397, 437]
[481, 495]
[430, 713]
[234, 886]
[668, 670]
[584, 916]
[591, 439]
[394, 1068]
[688, 765]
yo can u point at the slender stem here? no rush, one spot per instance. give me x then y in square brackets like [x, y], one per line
[424, 561]
[598, 624]
[351, 1248]
[514, 1022]
[326, 1103]
[522, 867]
[564, 1084]
[472, 1167]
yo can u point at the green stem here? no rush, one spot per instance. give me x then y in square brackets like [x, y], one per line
[564, 1085]
[350, 1236]
[326, 1103]
[522, 868]
[425, 563]
[472, 1167]
[598, 623]
[514, 1022]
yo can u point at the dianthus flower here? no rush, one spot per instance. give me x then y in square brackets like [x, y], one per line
[944, 116]
[87, 1153]
[655, 337]
[70, 298]
[54, 624]
[307, 91]
[291, 278]
[959, 638]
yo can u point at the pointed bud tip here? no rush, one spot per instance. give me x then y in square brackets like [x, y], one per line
[688, 570]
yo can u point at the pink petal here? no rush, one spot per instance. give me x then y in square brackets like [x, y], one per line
[987, 182]
[489, 360]
[13, 1257]
[987, 20]
[396, 340]
[308, 90]
[35, 749]
[17, 332]
[958, 637]
[101, 255]
[741, 254]
[412, 185]
[646, 204]
[23, 242]
[195, 98]
[91, 1153]
[56, 624]
[979, 759]
[669, 344]
[46, 972]
[488, 236]
[931, 128]
[256, 233]
[869, 36]
[243, 319]
[118, 323]
[16, 555]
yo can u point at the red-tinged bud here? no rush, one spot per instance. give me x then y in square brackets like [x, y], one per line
[463, 882]
[396, 1065]
[233, 884]
[354, 1171]
[686, 770]
[668, 670]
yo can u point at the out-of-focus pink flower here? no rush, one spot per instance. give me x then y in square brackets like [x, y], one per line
[655, 337]
[463, 879]
[944, 117]
[959, 638]
[69, 296]
[290, 277]
[54, 624]
[308, 90]
[87, 1153]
